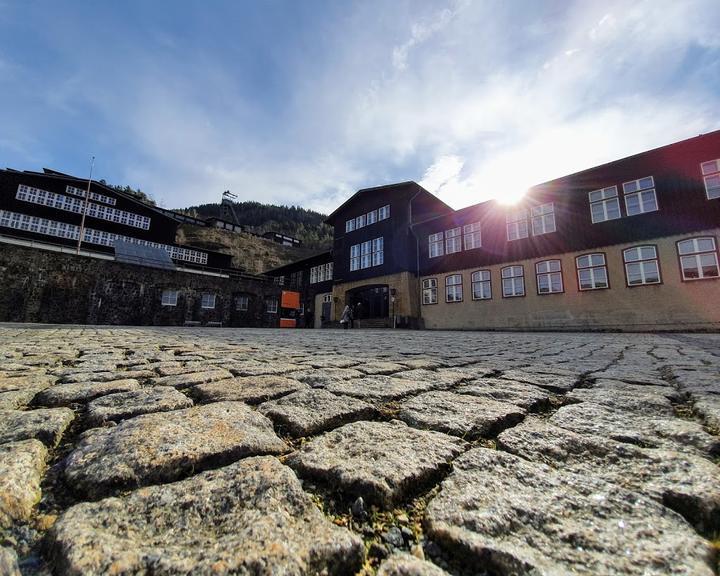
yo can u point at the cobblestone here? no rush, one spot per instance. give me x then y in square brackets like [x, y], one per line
[214, 488]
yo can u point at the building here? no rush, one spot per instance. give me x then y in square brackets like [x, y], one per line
[629, 245]
[283, 239]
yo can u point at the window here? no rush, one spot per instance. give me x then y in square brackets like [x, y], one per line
[208, 301]
[453, 288]
[350, 225]
[517, 226]
[355, 257]
[365, 254]
[169, 297]
[429, 292]
[453, 240]
[242, 303]
[549, 277]
[313, 275]
[360, 221]
[640, 196]
[543, 219]
[384, 212]
[698, 258]
[592, 272]
[513, 281]
[480, 285]
[321, 273]
[471, 236]
[641, 265]
[271, 305]
[711, 176]
[279, 280]
[372, 216]
[378, 254]
[604, 204]
[435, 245]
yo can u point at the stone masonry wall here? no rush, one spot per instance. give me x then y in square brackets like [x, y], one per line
[48, 287]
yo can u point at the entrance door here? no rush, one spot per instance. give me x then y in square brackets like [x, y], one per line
[370, 301]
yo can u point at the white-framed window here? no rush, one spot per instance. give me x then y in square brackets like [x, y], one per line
[698, 258]
[453, 288]
[372, 216]
[327, 298]
[271, 305]
[384, 212]
[313, 275]
[543, 219]
[517, 225]
[321, 273]
[378, 251]
[711, 176]
[429, 291]
[453, 240]
[604, 204]
[472, 237]
[355, 257]
[350, 225]
[513, 281]
[641, 265]
[366, 254]
[548, 274]
[640, 196]
[435, 245]
[242, 303]
[480, 285]
[208, 301]
[360, 221]
[169, 298]
[592, 272]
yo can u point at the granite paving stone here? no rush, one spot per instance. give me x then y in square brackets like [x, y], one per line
[382, 462]
[192, 378]
[524, 395]
[22, 465]
[682, 481]
[380, 388]
[403, 564]
[469, 417]
[312, 411]
[518, 517]
[44, 424]
[250, 389]
[326, 376]
[621, 399]
[123, 405]
[163, 447]
[66, 394]
[251, 517]
[553, 382]
[8, 562]
[379, 368]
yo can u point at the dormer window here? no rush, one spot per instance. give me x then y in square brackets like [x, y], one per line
[517, 225]
[711, 177]
[543, 219]
[640, 196]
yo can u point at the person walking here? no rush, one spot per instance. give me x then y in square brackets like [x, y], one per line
[346, 317]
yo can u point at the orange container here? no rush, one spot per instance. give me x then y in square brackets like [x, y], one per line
[290, 300]
[288, 323]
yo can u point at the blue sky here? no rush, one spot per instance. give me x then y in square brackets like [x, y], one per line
[303, 101]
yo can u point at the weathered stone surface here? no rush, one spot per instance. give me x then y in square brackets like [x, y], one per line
[440, 379]
[18, 391]
[498, 511]
[552, 382]
[163, 447]
[373, 368]
[667, 391]
[115, 407]
[250, 389]
[8, 562]
[684, 482]
[648, 403]
[326, 376]
[636, 428]
[402, 564]
[380, 388]
[193, 378]
[459, 414]
[22, 465]
[251, 517]
[254, 368]
[382, 462]
[312, 411]
[66, 394]
[519, 393]
[708, 406]
[46, 425]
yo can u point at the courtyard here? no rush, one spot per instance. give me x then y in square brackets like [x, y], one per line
[251, 451]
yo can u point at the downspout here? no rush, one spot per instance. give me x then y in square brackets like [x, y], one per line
[418, 290]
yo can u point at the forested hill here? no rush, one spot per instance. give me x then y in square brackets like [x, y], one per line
[306, 225]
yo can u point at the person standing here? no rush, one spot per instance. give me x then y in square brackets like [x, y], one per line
[346, 317]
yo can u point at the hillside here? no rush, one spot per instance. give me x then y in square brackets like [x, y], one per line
[305, 225]
[252, 253]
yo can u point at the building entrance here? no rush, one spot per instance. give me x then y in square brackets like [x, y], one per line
[369, 301]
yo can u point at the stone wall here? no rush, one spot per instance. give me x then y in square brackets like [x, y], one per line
[49, 287]
[672, 305]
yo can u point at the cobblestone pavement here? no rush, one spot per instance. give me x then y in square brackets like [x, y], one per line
[213, 451]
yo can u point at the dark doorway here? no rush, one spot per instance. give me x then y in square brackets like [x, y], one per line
[370, 301]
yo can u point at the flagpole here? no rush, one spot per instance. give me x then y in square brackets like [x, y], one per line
[85, 203]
